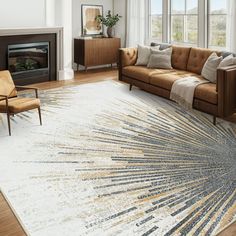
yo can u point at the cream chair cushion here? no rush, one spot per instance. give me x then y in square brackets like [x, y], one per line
[17, 105]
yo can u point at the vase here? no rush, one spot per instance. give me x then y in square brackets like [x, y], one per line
[110, 32]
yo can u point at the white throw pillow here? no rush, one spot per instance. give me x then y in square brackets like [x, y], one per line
[144, 53]
[228, 61]
[160, 59]
[210, 68]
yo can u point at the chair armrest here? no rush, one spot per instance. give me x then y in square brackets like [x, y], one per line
[3, 96]
[20, 88]
[25, 88]
[226, 88]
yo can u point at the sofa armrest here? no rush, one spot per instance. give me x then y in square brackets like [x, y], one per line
[226, 88]
[127, 57]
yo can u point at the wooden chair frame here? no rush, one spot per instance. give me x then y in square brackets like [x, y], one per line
[6, 98]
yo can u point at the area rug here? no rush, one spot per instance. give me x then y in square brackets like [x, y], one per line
[108, 161]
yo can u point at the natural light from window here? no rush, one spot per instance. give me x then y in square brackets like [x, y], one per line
[217, 23]
[156, 19]
[184, 21]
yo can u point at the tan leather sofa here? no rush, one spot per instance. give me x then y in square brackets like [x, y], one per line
[217, 99]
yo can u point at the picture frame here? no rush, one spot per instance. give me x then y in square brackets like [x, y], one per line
[90, 27]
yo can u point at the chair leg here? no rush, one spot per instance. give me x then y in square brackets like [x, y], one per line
[9, 123]
[214, 120]
[130, 87]
[40, 117]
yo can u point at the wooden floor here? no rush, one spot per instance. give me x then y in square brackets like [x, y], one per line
[9, 225]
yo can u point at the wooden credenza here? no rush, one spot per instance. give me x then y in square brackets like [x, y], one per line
[95, 52]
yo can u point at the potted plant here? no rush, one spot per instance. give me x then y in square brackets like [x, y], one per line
[109, 21]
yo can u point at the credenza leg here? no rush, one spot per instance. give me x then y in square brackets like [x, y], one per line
[130, 87]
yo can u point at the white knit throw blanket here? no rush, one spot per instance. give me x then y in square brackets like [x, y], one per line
[182, 90]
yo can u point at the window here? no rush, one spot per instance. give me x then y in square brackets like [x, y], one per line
[184, 21]
[156, 19]
[217, 13]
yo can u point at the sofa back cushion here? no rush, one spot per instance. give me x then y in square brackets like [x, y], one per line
[197, 59]
[225, 54]
[180, 57]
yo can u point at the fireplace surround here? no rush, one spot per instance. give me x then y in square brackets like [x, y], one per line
[31, 68]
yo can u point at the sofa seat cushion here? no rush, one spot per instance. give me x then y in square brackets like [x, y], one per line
[142, 73]
[166, 80]
[206, 92]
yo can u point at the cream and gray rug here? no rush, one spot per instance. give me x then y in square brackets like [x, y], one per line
[112, 162]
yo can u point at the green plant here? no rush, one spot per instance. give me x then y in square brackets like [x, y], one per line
[109, 20]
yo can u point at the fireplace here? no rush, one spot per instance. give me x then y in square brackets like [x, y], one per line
[28, 58]
[32, 55]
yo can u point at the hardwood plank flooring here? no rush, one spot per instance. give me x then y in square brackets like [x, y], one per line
[9, 225]
[229, 231]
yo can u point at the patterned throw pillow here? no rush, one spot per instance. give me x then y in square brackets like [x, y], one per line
[160, 59]
[210, 68]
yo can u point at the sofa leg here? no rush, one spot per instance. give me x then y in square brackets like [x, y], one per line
[130, 87]
[214, 120]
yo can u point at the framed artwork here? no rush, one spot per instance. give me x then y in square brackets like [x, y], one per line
[90, 26]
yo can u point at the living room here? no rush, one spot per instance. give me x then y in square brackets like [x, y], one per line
[117, 117]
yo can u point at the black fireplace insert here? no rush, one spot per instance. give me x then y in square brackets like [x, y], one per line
[28, 57]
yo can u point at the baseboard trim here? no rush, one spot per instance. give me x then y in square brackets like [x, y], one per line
[66, 74]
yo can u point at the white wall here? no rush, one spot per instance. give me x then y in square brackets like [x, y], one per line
[50, 13]
[120, 8]
[22, 13]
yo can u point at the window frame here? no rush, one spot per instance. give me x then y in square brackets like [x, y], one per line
[202, 24]
[184, 25]
[208, 29]
[150, 21]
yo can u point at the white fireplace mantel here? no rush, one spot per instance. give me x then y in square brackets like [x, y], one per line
[45, 30]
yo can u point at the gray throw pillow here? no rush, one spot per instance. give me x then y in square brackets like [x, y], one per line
[160, 59]
[144, 53]
[209, 70]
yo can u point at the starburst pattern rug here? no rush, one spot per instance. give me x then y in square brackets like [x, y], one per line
[112, 162]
